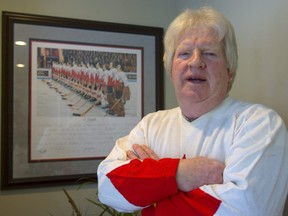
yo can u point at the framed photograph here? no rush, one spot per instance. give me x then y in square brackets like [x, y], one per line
[70, 88]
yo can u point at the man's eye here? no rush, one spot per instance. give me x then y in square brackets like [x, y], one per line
[184, 54]
[210, 54]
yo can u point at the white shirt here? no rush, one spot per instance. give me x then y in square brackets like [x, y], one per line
[251, 140]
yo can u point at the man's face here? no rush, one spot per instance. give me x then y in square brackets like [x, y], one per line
[199, 69]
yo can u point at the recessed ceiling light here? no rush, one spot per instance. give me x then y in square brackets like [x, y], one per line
[20, 65]
[20, 43]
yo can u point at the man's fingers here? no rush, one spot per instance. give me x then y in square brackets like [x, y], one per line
[150, 153]
[131, 155]
[142, 152]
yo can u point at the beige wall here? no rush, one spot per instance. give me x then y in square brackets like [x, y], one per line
[262, 76]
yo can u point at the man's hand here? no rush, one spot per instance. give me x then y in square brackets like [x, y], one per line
[141, 152]
[191, 173]
[198, 171]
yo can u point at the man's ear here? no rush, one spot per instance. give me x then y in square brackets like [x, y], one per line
[231, 77]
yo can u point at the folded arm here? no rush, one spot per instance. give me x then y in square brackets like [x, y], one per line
[146, 180]
[190, 173]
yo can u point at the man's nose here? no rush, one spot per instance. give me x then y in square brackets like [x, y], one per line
[196, 60]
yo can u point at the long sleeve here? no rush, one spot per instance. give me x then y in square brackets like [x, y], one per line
[196, 202]
[256, 173]
[146, 182]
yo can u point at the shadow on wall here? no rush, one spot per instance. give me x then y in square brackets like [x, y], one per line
[285, 213]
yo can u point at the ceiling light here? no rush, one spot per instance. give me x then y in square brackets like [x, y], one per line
[20, 65]
[20, 43]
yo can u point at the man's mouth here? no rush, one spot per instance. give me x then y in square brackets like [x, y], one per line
[195, 79]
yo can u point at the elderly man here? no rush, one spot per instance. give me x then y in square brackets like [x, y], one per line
[212, 155]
